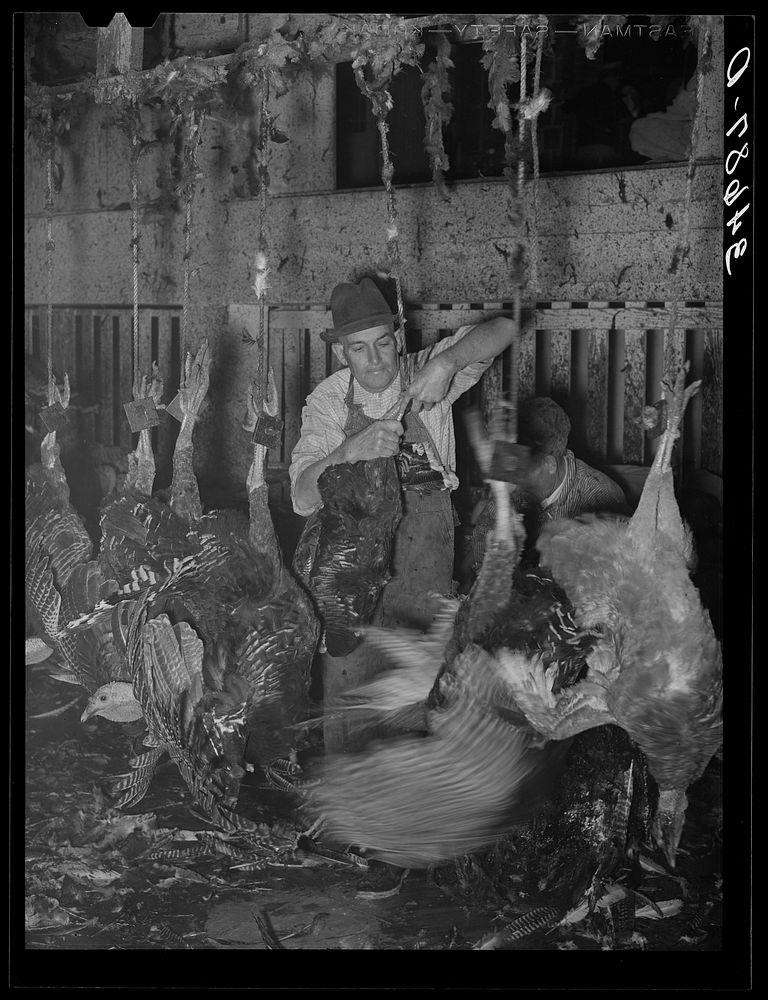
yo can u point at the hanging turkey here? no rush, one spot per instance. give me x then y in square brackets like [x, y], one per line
[474, 767]
[239, 636]
[62, 580]
[345, 557]
[142, 541]
[657, 669]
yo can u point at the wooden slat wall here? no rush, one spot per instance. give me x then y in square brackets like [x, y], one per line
[292, 397]
[103, 344]
[712, 403]
[122, 359]
[634, 396]
[601, 361]
[94, 346]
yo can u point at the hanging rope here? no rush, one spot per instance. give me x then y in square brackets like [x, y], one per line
[263, 332]
[534, 242]
[514, 361]
[190, 154]
[49, 248]
[681, 252]
[135, 248]
[381, 103]
[521, 118]
[393, 249]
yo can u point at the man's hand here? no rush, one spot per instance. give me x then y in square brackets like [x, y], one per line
[430, 385]
[380, 440]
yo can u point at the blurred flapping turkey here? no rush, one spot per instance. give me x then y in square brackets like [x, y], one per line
[475, 767]
[608, 629]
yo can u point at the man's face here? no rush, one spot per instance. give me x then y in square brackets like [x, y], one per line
[541, 478]
[372, 357]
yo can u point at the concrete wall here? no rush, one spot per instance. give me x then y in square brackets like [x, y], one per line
[599, 236]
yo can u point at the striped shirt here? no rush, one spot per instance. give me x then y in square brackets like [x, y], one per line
[324, 415]
[582, 490]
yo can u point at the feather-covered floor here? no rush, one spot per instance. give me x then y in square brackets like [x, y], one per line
[157, 877]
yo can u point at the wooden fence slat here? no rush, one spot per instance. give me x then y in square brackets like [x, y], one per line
[674, 355]
[317, 359]
[674, 350]
[88, 419]
[634, 396]
[578, 398]
[122, 358]
[597, 397]
[560, 366]
[276, 363]
[145, 341]
[614, 447]
[694, 353]
[293, 394]
[69, 348]
[712, 403]
[543, 362]
[654, 373]
[168, 429]
[62, 343]
[103, 369]
[429, 329]
[305, 342]
[37, 336]
[486, 393]
[167, 361]
[527, 365]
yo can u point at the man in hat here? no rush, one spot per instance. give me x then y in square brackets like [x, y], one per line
[357, 414]
[557, 484]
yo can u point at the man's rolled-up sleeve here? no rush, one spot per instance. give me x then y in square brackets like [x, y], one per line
[465, 378]
[321, 433]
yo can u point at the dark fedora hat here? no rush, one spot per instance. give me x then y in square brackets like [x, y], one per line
[357, 306]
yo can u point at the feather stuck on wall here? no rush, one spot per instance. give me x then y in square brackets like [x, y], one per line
[261, 275]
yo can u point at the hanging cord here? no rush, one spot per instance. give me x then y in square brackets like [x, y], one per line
[135, 249]
[514, 362]
[683, 247]
[49, 248]
[521, 118]
[393, 248]
[381, 103]
[535, 150]
[263, 332]
[190, 154]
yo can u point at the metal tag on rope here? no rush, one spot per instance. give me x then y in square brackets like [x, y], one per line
[142, 414]
[510, 462]
[268, 431]
[175, 410]
[54, 416]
